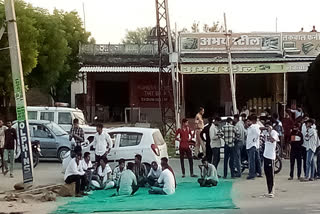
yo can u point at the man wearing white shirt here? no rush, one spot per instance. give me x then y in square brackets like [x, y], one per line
[166, 182]
[2, 130]
[102, 143]
[252, 146]
[215, 142]
[270, 138]
[209, 175]
[104, 178]
[74, 173]
[128, 182]
[311, 144]
[154, 173]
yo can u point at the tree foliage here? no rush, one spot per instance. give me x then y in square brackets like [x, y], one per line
[49, 46]
[195, 27]
[138, 36]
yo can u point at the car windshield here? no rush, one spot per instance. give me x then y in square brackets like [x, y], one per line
[80, 117]
[57, 130]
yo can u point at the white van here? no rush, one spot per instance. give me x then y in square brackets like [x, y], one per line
[63, 117]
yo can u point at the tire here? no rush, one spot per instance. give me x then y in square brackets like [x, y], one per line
[62, 152]
[277, 165]
[35, 156]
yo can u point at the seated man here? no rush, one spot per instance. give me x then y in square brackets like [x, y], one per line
[209, 175]
[118, 171]
[154, 173]
[103, 179]
[128, 182]
[140, 171]
[166, 182]
[87, 167]
[74, 173]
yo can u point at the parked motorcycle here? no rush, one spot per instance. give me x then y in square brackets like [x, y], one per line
[36, 152]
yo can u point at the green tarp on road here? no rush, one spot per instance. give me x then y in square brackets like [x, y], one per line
[188, 196]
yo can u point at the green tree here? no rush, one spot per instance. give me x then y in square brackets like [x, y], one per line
[28, 37]
[216, 27]
[138, 36]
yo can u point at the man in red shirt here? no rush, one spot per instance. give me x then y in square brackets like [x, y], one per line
[185, 135]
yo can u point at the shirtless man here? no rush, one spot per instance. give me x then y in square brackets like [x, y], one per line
[199, 124]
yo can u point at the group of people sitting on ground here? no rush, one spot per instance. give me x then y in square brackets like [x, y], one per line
[127, 179]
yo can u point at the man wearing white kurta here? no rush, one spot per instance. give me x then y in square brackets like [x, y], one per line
[166, 182]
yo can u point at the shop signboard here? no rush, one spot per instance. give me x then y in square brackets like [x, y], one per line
[241, 42]
[258, 68]
[301, 44]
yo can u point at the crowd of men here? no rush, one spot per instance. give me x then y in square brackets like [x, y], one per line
[255, 140]
[125, 178]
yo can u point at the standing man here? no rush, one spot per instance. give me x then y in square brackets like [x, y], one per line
[102, 143]
[205, 137]
[9, 146]
[270, 138]
[215, 143]
[311, 144]
[209, 175]
[239, 142]
[76, 132]
[230, 133]
[2, 139]
[185, 135]
[199, 125]
[252, 146]
[296, 150]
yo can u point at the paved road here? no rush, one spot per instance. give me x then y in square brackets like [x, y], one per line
[292, 197]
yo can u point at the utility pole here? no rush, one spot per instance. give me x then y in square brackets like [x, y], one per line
[19, 93]
[233, 88]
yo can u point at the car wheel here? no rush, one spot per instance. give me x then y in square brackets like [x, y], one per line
[62, 152]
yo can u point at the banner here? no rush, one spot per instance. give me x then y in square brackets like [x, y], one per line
[240, 42]
[244, 68]
[301, 44]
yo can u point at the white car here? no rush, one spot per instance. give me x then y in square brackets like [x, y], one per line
[63, 117]
[129, 141]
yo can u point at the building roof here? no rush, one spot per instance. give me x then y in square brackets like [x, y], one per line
[242, 60]
[106, 69]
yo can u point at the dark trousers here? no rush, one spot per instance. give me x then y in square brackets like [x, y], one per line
[295, 154]
[318, 164]
[207, 182]
[208, 152]
[237, 157]
[215, 157]
[254, 162]
[188, 153]
[2, 160]
[80, 182]
[229, 154]
[151, 180]
[269, 172]
[304, 158]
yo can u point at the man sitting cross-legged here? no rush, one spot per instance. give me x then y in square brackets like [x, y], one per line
[128, 182]
[103, 180]
[154, 173]
[209, 175]
[166, 182]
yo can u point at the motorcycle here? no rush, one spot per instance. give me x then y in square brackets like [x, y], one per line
[36, 152]
[277, 162]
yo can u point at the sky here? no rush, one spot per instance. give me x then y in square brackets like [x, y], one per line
[108, 20]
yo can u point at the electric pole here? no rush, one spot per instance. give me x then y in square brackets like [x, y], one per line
[19, 93]
[233, 88]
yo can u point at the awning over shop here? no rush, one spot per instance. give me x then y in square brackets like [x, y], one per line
[106, 69]
[252, 68]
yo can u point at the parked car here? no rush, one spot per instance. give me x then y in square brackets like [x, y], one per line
[62, 116]
[54, 141]
[129, 141]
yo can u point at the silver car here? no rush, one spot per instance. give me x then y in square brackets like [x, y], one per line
[54, 141]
